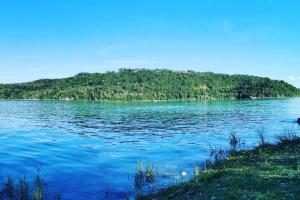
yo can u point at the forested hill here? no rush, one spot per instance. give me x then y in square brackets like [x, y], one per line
[143, 84]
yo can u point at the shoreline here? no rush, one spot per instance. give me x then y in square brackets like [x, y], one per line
[153, 101]
[269, 171]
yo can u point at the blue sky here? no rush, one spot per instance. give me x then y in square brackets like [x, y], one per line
[59, 38]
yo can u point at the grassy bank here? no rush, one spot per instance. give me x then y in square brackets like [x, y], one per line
[270, 171]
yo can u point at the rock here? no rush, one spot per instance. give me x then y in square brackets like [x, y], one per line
[298, 120]
[183, 174]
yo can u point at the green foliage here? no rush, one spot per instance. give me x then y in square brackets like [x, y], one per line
[143, 84]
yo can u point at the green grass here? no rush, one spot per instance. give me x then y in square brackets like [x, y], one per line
[270, 171]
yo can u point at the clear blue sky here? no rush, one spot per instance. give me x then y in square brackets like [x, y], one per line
[59, 38]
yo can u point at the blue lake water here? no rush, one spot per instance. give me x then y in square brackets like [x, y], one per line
[89, 150]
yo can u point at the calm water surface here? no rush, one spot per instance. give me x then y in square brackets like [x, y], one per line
[88, 148]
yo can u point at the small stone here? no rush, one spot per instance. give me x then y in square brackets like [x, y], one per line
[183, 174]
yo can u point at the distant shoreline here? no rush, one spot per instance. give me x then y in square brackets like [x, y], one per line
[150, 85]
[152, 101]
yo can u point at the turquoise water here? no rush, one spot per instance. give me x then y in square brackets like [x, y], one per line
[89, 150]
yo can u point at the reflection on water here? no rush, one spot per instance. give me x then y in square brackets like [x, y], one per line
[88, 147]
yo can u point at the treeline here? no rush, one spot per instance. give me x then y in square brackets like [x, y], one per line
[143, 84]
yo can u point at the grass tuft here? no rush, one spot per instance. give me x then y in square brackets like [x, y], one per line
[21, 190]
[24, 189]
[234, 141]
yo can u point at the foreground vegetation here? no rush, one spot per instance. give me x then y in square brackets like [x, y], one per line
[142, 84]
[270, 171]
[23, 189]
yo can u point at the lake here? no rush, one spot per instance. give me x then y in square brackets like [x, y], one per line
[89, 150]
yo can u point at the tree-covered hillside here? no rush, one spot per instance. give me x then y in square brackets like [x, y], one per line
[143, 84]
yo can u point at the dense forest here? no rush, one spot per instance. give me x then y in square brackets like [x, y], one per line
[143, 84]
